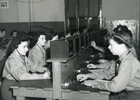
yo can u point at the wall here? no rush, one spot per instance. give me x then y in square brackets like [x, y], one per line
[9, 14]
[124, 12]
[120, 9]
[25, 14]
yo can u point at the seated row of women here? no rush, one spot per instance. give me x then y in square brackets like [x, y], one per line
[20, 67]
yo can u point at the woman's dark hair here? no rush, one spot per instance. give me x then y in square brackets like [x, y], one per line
[34, 38]
[2, 30]
[37, 34]
[15, 42]
[122, 38]
[53, 35]
[13, 32]
[121, 28]
[61, 35]
[82, 28]
[129, 33]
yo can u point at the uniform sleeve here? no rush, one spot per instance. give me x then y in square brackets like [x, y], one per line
[104, 74]
[104, 65]
[35, 67]
[18, 73]
[34, 56]
[35, 61]
[133, 51]
[120, 82]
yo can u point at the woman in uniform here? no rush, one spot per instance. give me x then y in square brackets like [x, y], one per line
[18, 67]
[121, 79]
[37, 53]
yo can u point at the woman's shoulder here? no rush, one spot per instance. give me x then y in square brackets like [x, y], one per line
[12, 59]
[131, 59]
[13, 55]
[33, 51]
[34, 48]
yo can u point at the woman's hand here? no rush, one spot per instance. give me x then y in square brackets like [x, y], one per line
[46, 75]
[93, 44]
[92, 83]
[82, 77]
[44, 69]
[91, 66]
[102, 61]
[88, 82]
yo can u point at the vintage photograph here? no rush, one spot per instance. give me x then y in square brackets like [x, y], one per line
[69, 49]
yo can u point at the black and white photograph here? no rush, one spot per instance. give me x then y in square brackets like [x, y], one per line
[69, 49]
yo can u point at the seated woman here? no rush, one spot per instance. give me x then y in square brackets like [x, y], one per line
[123, 77]
[118, 29]
[18, 67]
[37, 53]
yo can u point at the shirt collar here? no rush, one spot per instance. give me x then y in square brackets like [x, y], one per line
[40, 47]
[124, 55]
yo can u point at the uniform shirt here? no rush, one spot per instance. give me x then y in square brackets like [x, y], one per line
[18, 69]
[133, 51]
[37, 55]
[107, 64]
[128, 77]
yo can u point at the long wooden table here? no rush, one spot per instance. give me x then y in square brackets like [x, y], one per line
[44, 89]
[62, 69]
[33, 88]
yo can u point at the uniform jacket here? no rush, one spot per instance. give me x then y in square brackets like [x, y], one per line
[17, 68]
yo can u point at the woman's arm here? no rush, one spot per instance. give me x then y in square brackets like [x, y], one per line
[20, 72]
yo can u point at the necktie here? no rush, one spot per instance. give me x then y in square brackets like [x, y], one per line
[117, 64]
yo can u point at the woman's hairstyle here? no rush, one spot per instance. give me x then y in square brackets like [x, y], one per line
[82, 28]
[124, 28]
[53, 35]
[122, 38]
[34, 37]
[37, 35]
[15, 42]
[2, 30]
[13, 32]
